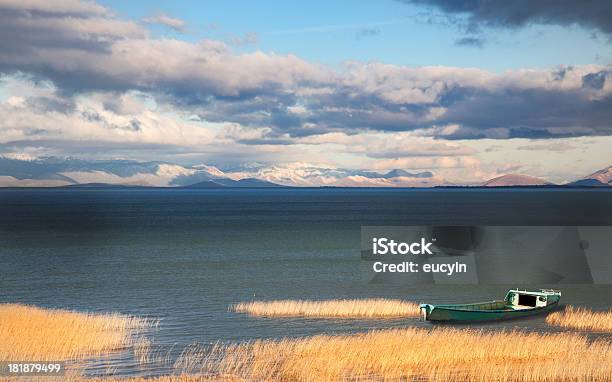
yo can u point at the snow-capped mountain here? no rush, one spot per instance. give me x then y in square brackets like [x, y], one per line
[50, 171]
[311, 175]
[599, 178]
[26, 171]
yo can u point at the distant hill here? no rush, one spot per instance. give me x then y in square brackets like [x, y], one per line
[587, 183]
[601, 178]
[247, 182]
[229, 183]
[511, 180]
[103, 185]
[396, 173]
[203, 184]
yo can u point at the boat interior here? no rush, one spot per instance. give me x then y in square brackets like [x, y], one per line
[489, 305]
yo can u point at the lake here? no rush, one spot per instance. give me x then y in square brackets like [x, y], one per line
[184, 256]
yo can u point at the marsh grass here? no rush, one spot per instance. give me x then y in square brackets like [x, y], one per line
[31, 333]
[165, 378]
[356, 308]
[582, 319]
[408, 354]
[142, 352]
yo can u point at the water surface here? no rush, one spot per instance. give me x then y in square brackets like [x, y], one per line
[184, 256]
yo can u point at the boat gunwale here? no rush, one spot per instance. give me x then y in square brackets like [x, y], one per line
[457, 307]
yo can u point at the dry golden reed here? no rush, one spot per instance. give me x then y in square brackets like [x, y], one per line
[582, 319]
[31, 333]
[164, 378]
[440, 354]
[363, 308]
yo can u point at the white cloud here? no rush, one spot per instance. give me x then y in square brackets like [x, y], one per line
[89, 119]
[163, 19]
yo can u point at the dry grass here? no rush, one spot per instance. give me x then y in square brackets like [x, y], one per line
[366, 308]
[411, 354]
[582, 319]
[438, 354]
[31, 333]
[165, 378]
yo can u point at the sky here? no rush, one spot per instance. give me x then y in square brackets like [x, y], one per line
[467, 90]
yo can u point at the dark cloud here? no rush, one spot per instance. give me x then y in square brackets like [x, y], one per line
[594, 80]
[78, 26]
[592, 14]
[559, 75]
[529, 113]
[92, 116]
[476, 42]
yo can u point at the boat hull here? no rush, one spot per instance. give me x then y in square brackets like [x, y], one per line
[457, 314]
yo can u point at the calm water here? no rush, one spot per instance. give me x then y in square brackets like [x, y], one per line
[183, 256]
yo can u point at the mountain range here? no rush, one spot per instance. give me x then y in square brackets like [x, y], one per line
[71, 172]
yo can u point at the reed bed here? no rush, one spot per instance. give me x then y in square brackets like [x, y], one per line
[441, 354]
[31, 333]
[165, 378]
[582, 319]
[355, 308]
[414, 354]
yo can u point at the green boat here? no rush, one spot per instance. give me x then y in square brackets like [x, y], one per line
[518, 303]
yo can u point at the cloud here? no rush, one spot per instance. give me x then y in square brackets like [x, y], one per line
[595, 14]
[88, 54]
[27, 27]
[522, 103]
[249, 38]
[92, 50]
[560, 147]
[163, 19]
[389, 145]
[595, 80]
[367, 32]
[53, 117]
[73, 8]
[476, 42]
